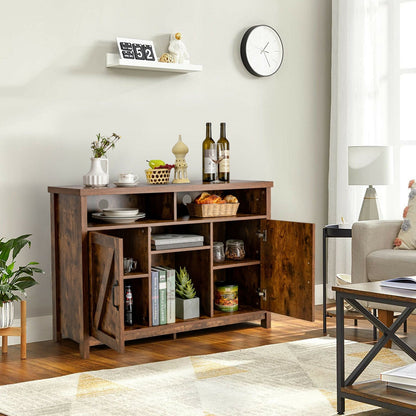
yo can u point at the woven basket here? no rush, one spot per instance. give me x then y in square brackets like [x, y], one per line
[157, 176]
[212, 210]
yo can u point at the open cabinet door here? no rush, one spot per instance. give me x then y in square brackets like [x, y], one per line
[106, 297]
[288, 269]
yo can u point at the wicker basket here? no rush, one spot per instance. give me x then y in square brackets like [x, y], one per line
[212, 210]
[157, 176]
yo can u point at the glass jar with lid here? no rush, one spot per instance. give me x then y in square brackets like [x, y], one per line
[218, 251]
[234, 249]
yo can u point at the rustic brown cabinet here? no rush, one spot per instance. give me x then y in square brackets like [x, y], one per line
[277, 274]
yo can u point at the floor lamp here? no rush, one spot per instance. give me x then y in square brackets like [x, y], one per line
[370, 165]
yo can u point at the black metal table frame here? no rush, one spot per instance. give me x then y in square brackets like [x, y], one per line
[388, 334]
[329, 231]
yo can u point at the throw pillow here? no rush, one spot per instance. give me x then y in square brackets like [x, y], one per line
[406, 239]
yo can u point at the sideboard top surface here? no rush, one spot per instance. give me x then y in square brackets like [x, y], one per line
[148, 188]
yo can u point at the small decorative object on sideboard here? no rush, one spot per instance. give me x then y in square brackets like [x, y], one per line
[180, 150]
[211, 205]
[178, 49]
[187, 304]
[159, 172]
[126, 179]
[98, 175]
[14, 280]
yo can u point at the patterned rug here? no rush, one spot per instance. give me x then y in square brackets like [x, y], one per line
[295, 378]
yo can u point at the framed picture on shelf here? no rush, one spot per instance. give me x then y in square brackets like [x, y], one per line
[136, 49]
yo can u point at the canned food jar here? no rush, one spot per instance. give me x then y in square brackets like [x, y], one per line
[218, 251]
[234, 249]
[226, 297]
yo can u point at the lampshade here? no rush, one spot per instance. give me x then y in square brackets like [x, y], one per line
[370, 165]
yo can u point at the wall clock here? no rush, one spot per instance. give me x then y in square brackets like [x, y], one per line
[261, 50]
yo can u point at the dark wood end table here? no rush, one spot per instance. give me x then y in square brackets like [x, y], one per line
[373, 392]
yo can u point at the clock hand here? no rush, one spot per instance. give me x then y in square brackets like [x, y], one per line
[264, 49]
[267, 59]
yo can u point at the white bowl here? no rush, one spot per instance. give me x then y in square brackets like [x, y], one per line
[120, 212]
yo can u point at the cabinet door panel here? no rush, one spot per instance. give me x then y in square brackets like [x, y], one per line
[288, 269]
[107, 308]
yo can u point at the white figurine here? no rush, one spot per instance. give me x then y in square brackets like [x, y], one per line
[178, 49]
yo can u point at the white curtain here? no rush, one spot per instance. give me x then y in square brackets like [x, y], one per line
[363, 111]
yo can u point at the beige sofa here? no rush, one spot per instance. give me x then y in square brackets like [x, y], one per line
[373, 257]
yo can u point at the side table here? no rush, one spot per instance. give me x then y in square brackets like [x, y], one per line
[374, 392]
[19, 331]
[330, 231]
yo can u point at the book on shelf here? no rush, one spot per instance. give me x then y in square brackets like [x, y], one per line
[406, 375]
[400, 386]
[408, 282]
[155, 296]
[165, 241]
[162, 295]
[170, 295]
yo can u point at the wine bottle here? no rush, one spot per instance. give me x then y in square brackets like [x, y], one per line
[223, 152]
[128, 306]
[208, 157]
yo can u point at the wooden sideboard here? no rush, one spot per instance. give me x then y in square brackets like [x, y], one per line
[277, 274]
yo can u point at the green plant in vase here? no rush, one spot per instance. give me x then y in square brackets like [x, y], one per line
[187, 304]
[103, 144]
[14, 281]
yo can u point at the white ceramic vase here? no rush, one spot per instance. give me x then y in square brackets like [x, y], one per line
[6, 314]
[98, 174]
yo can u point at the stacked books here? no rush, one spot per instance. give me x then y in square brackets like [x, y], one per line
[167, 241]
[401, 378]
[163, 295]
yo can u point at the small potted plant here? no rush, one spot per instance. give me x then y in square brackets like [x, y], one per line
[98, 175]
[187, 303]
[14, 279]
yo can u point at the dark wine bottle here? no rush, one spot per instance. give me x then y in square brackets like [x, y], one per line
[223, 154]
[128, 306]
[208, 157]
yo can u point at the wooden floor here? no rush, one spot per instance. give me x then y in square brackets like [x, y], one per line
[50, 359]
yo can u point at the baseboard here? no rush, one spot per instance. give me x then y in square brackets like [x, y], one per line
[39, 328]
[319, 300]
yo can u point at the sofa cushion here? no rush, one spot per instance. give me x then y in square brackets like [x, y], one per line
[389, 263]
[406, 239]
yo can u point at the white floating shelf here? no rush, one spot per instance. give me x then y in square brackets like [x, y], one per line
[114, 61]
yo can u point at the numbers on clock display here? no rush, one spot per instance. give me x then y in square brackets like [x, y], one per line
[136, 49]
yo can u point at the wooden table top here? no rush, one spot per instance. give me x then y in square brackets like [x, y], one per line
[375, 290]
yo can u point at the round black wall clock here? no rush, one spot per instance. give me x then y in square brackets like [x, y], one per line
[261, 50]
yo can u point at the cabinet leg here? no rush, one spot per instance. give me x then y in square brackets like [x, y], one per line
[387, 318]
[84, 349]
[4, 344]
[267, 321]
[174, 336]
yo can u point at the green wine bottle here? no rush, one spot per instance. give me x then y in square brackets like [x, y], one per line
[223, 154]
[208, 157]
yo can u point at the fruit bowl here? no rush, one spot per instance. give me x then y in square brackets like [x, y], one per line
[157, 176]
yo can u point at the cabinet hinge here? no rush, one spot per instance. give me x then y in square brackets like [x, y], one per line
[262, 293]
[262, 234]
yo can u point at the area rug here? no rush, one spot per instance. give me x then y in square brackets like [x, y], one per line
[295, 378]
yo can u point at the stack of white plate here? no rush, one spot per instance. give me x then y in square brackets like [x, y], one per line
[119, 215]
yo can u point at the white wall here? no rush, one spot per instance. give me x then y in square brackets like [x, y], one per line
[56, 94]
